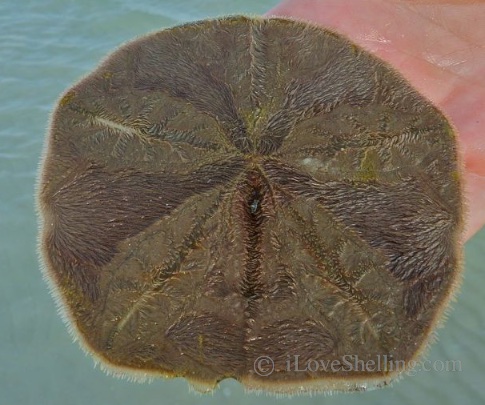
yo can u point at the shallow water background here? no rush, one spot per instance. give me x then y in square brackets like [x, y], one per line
[44, 47]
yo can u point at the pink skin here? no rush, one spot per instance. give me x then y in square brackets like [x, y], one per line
[439, 46]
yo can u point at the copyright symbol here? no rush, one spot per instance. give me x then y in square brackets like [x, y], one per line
[264, 366]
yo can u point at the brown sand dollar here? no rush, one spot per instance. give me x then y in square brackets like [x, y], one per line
[250, 198]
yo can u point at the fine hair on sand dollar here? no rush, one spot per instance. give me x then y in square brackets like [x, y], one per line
[220, 198]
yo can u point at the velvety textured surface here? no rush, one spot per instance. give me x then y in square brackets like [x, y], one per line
[238, 188]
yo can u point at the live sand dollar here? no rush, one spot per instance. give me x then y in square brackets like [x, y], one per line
[226, 197]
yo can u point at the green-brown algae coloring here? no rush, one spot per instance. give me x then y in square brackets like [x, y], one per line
[244, 187]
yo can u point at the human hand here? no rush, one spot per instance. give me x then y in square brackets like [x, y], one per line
[439, 46]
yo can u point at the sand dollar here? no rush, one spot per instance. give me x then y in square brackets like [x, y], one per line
[251, 198]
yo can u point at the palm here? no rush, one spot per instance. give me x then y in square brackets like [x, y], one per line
[439, 47]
